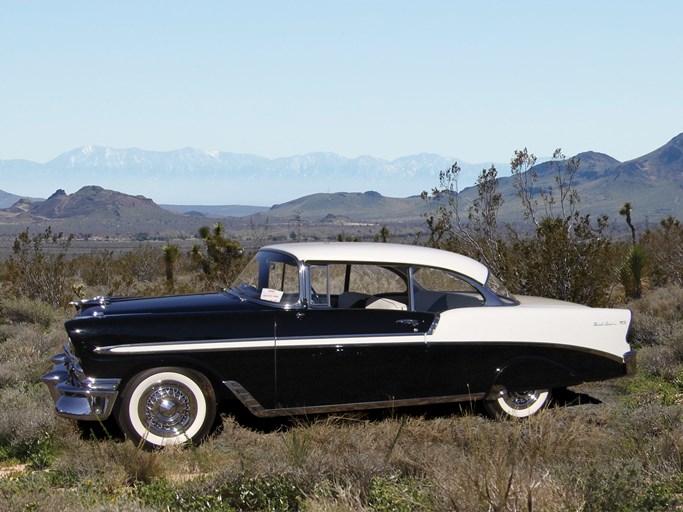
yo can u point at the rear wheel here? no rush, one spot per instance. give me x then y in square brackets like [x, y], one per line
[517, 404]
[166, 406]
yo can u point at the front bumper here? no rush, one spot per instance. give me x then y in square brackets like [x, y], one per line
[76, 395]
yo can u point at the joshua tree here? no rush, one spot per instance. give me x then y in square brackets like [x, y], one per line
[170, 257]
[626, 212]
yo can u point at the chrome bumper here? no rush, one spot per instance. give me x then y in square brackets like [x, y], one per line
[77, 396]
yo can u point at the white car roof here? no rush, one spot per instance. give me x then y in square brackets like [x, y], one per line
[369, 252]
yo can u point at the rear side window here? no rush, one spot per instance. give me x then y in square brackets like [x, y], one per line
[439, 290]
[375, 280]
[438, 280]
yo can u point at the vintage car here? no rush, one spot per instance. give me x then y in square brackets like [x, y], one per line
[320, 327]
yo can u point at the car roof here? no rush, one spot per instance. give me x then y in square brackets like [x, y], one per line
[370, 252]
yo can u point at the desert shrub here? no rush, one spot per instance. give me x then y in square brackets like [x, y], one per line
[627, 487]
[565, 255]
[27, 425]
[96, 268]
[662, 361]
[38, 268]
[664, 248]
[219, 260]
[654, 388]
[657, 330]
[275, 494]
[136, 272]
[139, 465]
[25, 352]
[27, 310]
[396, 494]
[39, 451]
[145, 264]
[567, 259]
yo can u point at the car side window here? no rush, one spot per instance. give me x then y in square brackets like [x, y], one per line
[439, 290]
[320, 284]
[283, 276]
[375, 280]
[374, 286]
[341, 285]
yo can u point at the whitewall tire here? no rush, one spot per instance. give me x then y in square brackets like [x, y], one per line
[167, 406]
[517, 404]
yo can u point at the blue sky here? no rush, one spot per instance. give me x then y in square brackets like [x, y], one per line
[473, 80]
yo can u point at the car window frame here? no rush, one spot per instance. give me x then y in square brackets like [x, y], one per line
[405, 271]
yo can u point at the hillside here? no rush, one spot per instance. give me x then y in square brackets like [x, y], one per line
[230, 210]
[7, 199]
[653, 184]
[96, 203]
[356, 206]
[95, 211]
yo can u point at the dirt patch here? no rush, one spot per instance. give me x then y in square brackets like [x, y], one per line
[12, 471]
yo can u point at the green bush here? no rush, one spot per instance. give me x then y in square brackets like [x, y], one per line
[398, 495]
[256, 493]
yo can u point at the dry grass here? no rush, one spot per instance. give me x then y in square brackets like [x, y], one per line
[623, 454]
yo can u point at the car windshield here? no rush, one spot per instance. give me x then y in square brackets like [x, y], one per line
[269, 277]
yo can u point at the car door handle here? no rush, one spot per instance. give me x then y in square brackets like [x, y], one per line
[408, 321]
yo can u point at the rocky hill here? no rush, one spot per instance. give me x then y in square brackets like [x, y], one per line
[7, 199]
[95, 211]
[653, 184]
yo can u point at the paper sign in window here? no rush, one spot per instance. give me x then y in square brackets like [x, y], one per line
[271, 295]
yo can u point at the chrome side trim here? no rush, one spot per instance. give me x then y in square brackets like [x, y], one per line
[187, 346]
[258, 410]
[350, 341]
[261, 343]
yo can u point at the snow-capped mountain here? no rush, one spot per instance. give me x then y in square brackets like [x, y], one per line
[195, 176]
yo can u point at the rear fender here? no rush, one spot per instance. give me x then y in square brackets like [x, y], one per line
[530, 372]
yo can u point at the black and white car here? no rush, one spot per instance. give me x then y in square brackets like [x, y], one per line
[322, 327]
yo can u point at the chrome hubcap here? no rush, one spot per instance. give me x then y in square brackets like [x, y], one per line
[521, 399]
[169, 409]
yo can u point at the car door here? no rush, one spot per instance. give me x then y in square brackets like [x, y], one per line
[358, 346]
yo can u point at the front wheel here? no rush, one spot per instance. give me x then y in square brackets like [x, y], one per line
[166, 406]
[517, 404]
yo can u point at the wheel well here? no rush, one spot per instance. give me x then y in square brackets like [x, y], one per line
[143, 366]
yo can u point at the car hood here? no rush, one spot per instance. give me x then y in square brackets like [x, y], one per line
[206, 302]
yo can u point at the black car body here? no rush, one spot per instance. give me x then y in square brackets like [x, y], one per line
[326, 327]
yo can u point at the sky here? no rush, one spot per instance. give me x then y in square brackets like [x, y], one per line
[472, 80]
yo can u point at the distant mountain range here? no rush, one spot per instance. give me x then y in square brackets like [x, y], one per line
[194, 176]
[653, 184]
